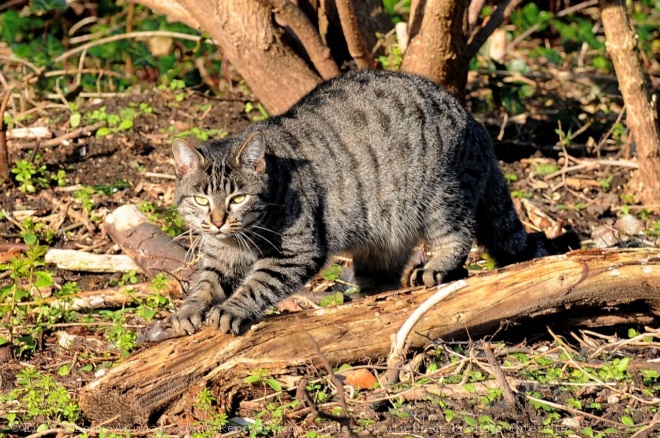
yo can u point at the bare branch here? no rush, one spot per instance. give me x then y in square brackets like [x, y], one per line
[502, 12]
[356, 45]
[642, 110]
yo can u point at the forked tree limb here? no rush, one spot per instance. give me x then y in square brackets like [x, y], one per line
[165, 378]
[503, 11]
[309, 37]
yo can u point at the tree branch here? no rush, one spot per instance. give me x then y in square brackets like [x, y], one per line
[318, 52]
[502, 12]
[356, 45]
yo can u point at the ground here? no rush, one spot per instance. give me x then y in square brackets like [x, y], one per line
[570, 380]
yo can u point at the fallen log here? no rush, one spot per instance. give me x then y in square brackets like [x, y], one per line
[150, 248]
[165, 379]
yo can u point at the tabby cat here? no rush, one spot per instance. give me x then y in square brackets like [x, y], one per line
[369, 163]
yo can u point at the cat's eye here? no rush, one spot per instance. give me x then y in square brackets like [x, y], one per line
[238, 199]
[201, 200]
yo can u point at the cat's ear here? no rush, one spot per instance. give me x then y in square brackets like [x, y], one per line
[186, 157]
[251, 154]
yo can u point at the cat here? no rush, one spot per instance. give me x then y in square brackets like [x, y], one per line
[368, 163]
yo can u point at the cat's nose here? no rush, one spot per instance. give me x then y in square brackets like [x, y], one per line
[218, 218]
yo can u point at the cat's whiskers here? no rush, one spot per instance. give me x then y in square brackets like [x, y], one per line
[248, 238]
[196, 246]
[265, 229]
[243, 243]
[262, 237]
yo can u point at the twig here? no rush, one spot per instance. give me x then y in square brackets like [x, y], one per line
[345, 419]
[559, 14]
[126, 36]
[85, 130]
[316, 49]
[502, 12]
[4, 152]
[509, 398]
[573, 411]
[585, 164]
[74, 215]
[356, 44]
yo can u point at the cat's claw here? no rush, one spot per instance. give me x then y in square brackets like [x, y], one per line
[224, 320]
[188, 319]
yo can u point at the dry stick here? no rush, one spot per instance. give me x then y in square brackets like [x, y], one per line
[356, 44]
[559, 14]
[585, 164]
[126, 36]
[318, 51]
[73, 214]
[502, 12]
[473, 13]
[344, 420]
[4, 152]
[85, 130]
[496, 371]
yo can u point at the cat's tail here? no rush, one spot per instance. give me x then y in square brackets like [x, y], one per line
[499, 229]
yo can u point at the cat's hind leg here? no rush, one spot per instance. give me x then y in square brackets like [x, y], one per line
[379, 267]
[450, 239]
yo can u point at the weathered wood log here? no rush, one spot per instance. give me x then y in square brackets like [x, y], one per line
[73, 260]
[150, 248]
[166, 378]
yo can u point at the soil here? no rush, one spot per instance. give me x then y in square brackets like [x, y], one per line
[135, 166]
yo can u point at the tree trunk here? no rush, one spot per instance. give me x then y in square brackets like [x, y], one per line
[438, 45]
[641, 109]
[248, 37]
[167, 377]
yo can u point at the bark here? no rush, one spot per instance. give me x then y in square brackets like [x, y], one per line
[357, 46]
[251, 41]
[318, 52]
[166, 378]
[151, 249]
[641, 108]
[438, 46]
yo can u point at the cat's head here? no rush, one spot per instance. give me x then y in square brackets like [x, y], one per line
[219, 190]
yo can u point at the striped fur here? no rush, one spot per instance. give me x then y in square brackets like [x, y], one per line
[368, 163]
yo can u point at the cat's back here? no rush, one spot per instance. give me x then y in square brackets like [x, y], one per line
[394, 117]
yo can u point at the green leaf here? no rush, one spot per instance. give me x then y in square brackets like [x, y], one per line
[274, 384]
[43, 279]
[252, 378]
[74, 120]
[103, 131]
[125, 125]
[29, 238]
[470, 421]
[628, 421]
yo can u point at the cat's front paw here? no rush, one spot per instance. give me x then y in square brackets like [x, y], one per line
[430, 278]
[188, 319]
[225, 319]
